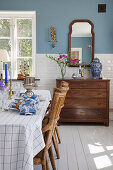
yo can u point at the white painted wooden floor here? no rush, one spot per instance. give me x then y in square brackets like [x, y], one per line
[85, 147]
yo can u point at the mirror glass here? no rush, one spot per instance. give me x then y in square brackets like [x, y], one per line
[81, 42]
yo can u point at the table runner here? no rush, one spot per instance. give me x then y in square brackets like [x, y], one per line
[21, 136]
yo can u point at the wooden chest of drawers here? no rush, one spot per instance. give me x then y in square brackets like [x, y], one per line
[86, 101]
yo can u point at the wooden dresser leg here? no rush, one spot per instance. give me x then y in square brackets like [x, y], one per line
[106, 123]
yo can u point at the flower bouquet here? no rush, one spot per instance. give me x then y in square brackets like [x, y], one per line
[63, 61]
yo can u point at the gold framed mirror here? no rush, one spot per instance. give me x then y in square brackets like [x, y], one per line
[81, 41]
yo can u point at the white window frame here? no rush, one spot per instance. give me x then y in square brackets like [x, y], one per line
[13, 15]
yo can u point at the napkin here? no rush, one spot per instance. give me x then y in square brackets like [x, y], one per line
[27, 104]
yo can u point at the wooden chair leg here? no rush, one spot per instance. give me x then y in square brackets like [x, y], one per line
[44, 165]
[57, 132]
[47, 164]
[56, 145]
[52, 158]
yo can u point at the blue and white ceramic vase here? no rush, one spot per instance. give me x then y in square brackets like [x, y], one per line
[96, 68]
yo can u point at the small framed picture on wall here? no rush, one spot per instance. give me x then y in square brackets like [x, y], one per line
[76, 53]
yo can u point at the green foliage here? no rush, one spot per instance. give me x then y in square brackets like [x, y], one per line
[5, 44]
[25, 48]
[53, 58]
[5, 28]
[24, 27]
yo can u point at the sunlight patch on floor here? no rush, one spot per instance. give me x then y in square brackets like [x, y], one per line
[102, 162]
[111, 154]
[109, 148]
[95, 149]
[98, 143]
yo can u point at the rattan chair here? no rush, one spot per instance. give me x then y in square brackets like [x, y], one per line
[48, 130]
[63, 91]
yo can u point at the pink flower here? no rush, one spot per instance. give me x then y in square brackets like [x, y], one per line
[61, 56]
[71, 59]
[65, 56]
[74, 60]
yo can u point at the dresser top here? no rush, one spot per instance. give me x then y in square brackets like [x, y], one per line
[81, 79]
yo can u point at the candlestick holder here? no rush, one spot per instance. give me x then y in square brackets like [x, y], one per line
[10, 90]
[6, 83]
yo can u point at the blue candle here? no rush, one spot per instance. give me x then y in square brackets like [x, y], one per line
[5, 73]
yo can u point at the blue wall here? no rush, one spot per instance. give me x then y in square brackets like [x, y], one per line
[83, 42]
[60, 13]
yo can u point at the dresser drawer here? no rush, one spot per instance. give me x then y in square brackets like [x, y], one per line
[87, 93]
[84, 103]
[79, 115]
[87, 85]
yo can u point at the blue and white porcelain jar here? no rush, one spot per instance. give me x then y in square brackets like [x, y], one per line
[96, 68]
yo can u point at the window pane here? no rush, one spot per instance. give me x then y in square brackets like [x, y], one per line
[4, 27]
[24, 27]
[6, 45]
[25, 48]
[25, 65]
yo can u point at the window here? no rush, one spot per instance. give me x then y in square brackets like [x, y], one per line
[18, 37]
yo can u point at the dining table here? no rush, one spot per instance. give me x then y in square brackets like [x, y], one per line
[21, 136]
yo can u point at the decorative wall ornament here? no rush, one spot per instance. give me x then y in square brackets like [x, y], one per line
[53, 36]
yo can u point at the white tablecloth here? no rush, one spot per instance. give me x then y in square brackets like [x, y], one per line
[21, 137]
